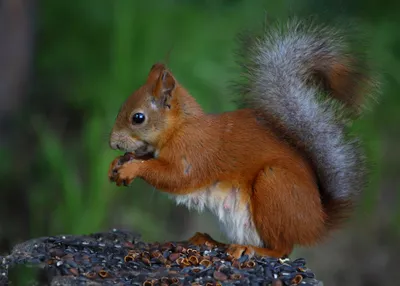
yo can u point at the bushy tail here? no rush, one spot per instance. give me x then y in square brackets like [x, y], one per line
[307, 80]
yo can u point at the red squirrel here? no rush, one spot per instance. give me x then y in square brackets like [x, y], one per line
[279, 172]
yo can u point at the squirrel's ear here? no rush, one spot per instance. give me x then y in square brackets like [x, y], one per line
[155, 72]
[164, 87]
[167, 82]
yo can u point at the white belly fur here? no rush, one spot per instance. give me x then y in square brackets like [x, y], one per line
[233, 216]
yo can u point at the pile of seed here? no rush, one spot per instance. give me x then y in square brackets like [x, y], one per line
[120, 258]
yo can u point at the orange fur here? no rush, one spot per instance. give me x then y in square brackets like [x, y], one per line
[235, 149]
[346, 83]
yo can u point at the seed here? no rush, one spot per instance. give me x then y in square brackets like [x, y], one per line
[146, 260]
[156, 254]
[297, 279]
[128, 258]
[174, 256]
[91, 275]
[129, 244]
[193, 260]
[235, 276]
[301, 269]
[220, 276]
[205, 262]
[179, 248]
[250, 264]
[103, 274]
[196, 269]
[191, 251]
[184, 262]
[164, 280]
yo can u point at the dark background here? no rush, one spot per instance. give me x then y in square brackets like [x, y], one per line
[67, 66]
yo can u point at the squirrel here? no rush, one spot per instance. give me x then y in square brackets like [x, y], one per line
[282, 170]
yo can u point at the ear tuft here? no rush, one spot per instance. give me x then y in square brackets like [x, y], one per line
[157, 66]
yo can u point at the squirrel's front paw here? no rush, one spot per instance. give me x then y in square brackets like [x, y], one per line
[121, 170]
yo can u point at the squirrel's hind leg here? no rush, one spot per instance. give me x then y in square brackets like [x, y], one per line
[286, 209]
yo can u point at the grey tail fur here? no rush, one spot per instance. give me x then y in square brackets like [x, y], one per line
[306, 79]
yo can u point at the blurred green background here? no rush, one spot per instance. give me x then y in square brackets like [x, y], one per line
[67, 66]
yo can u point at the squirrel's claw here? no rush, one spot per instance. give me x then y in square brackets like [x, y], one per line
[113, 170]
[123, 182]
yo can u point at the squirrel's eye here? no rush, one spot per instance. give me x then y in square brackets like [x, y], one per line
[138, 118]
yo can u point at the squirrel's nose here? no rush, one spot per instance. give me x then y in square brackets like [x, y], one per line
[114, 145]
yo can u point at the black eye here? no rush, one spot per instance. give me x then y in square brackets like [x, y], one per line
[138, 118]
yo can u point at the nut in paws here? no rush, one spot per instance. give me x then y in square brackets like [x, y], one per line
[122, 170]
